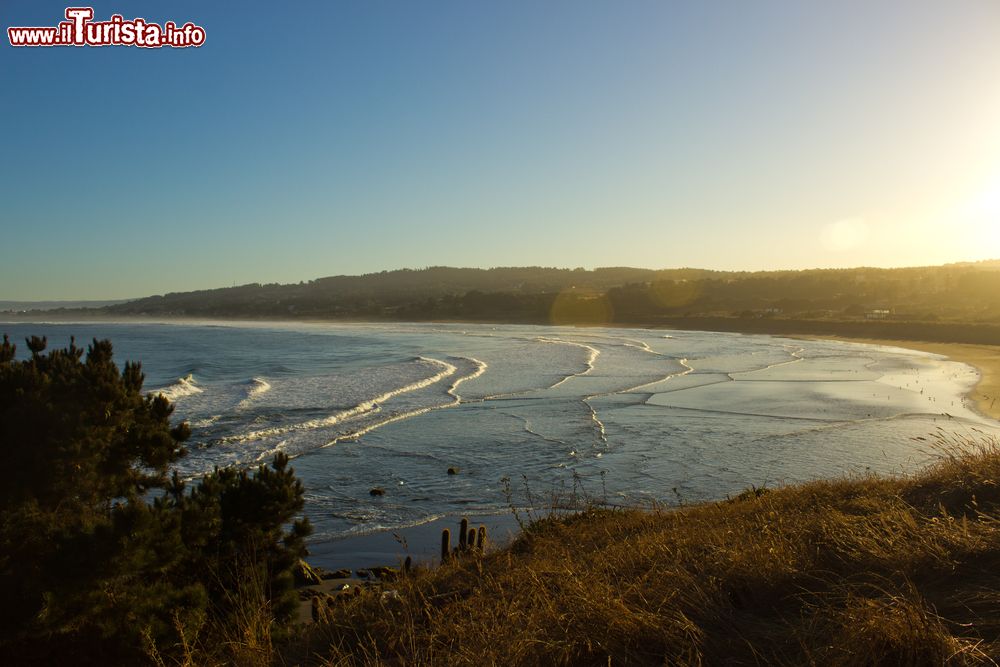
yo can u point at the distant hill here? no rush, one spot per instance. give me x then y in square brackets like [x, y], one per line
[987, 264]
[28, 306]
[959, 292]
[388, 293]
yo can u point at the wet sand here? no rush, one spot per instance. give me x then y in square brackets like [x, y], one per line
[984, 358]
[422, 543]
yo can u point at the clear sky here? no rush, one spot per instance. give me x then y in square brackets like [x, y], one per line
[309, 139]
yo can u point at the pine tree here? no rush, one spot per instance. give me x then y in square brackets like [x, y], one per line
[98, 547]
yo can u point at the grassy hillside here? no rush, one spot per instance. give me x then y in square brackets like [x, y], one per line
[968, 294]
[846, 572]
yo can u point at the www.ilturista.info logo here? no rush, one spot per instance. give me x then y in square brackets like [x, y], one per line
[79, 29]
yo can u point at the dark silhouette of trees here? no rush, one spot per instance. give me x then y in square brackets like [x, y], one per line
[100, 552]
[957, 293]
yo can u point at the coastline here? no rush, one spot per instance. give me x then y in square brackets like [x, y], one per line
[985, 395]
[972, 344]
[421, 542]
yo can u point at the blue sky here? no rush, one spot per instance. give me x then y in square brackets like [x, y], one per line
[320, 138]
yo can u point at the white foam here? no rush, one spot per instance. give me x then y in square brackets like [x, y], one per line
[184, 386]
[683, 362]
[280, 447]
[367, 406]
[255, 388]
[205, 423]
[592, 354]
[481, 367]
[392, 420]
[598, 424]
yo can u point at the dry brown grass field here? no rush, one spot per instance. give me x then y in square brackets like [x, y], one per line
[859, 571]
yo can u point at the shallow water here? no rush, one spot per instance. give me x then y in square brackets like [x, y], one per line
[622, 415]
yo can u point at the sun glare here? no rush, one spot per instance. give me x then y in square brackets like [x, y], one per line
[982, 214]
[846, 234]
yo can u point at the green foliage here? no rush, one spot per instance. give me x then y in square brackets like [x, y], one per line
[234, 516]
[101, 552]
[78, 432]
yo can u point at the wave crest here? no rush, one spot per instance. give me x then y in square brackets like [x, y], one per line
[182, 387]
[363, 407]
[254, 388]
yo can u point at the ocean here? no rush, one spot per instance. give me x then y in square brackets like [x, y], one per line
[528, 413]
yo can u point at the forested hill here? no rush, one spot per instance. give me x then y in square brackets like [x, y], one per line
[968, 293]
[385, 294]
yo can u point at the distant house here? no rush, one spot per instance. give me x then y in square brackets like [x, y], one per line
[878, 314]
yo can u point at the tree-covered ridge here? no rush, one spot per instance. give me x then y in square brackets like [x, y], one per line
[961, 292]
[104, 557]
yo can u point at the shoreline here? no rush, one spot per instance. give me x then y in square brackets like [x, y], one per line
[421, 542]
[971, 333]
[985, 395]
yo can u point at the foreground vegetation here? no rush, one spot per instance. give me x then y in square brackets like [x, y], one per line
[103, 558]
[848, 572]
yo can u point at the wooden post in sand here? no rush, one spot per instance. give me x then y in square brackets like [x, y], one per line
[463, 534]
[445, 545]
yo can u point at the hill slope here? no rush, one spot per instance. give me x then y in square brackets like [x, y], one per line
[966, 293]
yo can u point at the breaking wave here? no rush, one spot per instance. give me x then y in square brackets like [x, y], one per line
[366, 406]
[184, 386]
[254, 388]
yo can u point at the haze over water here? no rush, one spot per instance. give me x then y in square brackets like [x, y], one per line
[626, 415]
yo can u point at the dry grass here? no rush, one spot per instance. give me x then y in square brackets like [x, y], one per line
[849, 572]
